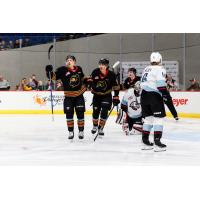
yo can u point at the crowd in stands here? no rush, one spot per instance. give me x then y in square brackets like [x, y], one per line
[32, 83]
[13, 41]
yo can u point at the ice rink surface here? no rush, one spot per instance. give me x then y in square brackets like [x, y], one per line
[36, 140]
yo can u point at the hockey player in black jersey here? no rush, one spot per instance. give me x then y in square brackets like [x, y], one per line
[72, 78]
[132, 78]
[103, 81]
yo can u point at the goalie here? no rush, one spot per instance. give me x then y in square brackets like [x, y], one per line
[130, 114]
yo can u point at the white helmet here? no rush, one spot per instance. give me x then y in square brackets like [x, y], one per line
[156, 57]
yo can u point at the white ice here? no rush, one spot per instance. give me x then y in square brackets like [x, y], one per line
[36, 140]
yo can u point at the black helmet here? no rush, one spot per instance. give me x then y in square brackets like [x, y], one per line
[71, 57]
[104, 61]
[132, 70]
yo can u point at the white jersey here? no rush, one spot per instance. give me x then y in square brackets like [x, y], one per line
[133, 104]
[153, 76]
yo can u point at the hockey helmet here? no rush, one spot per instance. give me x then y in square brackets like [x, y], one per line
[156, 57]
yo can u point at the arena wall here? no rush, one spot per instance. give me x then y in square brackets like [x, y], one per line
[18, 63]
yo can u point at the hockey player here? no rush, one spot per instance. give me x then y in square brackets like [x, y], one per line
[130, 115]
[72, 78]
[103, 81]
[132, 78]
[154, 89]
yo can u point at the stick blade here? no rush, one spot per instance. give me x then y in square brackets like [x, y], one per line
[116, 64]
[50, 48]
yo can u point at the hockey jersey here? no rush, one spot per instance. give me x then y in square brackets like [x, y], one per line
[104, 84]
[133, 104]
[72, 80]
[153, 77]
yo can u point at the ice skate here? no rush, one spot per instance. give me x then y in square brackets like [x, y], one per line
[94, 129]
[158, 146]
[100, 132]
[146, 145]
[71, 135]
[81, 135]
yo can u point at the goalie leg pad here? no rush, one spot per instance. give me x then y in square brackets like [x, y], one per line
[121, 115]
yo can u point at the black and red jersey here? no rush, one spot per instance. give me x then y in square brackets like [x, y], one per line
[104, 84]
[72, 80]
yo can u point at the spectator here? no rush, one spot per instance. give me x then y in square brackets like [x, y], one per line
[194, 85]
[26, 42]
[4, 84]
[35, 80]
[31, 84]
[24, 86]
[17, 88]
[47, 86]
[59, 86]
[10, 45]
[171, 83]
[16, 44]
[3, 45]
[40, 86]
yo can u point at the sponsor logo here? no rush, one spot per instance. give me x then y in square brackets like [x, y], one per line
[42, 100]
[180, 102]
[39, 100]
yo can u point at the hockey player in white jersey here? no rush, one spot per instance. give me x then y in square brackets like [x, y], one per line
[130, 114]
[154, 89]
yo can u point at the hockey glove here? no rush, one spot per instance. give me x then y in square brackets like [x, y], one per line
[115, 100]
[88, 81]
[49, 68]
[165, 94]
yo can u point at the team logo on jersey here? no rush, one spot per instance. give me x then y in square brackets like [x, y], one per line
[102, 85]
[135, 105]
[74, 80]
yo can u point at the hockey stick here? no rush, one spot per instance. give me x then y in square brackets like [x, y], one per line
[105, 123]
[51, 83]
[114, 66]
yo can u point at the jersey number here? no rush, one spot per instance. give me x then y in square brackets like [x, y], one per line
[144, 77]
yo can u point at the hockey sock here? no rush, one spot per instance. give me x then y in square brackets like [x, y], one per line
[157, 136]
[102, 123]
[70, 124]
[145, 136]
[80, 123]
[95, 122]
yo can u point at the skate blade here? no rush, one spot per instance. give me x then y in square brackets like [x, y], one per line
[158, 149]
[147, 148]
